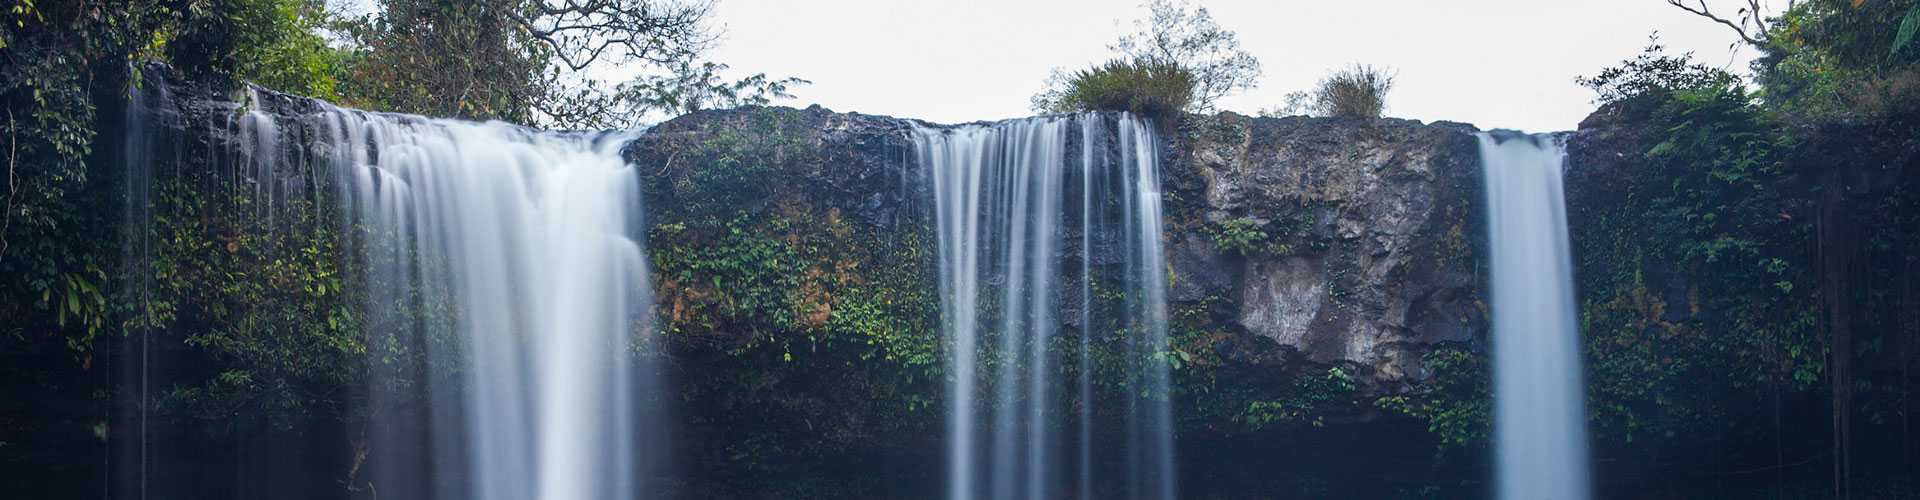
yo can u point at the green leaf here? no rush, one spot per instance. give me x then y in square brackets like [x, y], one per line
[1908, 26]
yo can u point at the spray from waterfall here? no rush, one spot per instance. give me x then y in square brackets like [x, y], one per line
[1540, 417]
[1003, 194]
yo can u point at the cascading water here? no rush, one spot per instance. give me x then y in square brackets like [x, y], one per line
[508, 304]
[1001, 195]
[531, 237]
[1540, 430]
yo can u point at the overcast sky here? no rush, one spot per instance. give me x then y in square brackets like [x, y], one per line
[1492, 63]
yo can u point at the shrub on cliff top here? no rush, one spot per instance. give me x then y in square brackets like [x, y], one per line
[1359, 91]
[1143, 87]
[1173, 35]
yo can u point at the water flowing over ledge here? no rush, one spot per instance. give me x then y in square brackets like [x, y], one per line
[1540, 413]
[531, 240]
[1004, 195]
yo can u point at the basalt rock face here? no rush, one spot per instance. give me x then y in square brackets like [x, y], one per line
[1371, 236]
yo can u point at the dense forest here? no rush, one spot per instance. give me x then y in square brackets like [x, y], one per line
[1746, 250]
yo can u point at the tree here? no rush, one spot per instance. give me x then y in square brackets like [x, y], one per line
[275, 43]
[1181, 35]
[1654, 72]
[689, 88]
[455, 59]
[538, 61]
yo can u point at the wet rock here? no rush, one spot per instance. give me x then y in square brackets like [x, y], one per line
[1199, 270]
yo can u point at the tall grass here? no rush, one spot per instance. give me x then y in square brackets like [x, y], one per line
[1359, 91]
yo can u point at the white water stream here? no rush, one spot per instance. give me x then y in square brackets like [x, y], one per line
[1001, 194]
[1540, 416]
[532, 237]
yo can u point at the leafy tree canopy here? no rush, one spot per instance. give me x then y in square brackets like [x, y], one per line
[544, 61]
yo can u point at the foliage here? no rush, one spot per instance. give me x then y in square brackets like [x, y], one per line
[1248, 237]
[275, 43]
[1665, 352]
[1181, 34]
[1707, 334]
[756, 264]
[795, 318]
[1857, 35]
[1458, 402]
[1654, 73]
[1146, 88]
[537, 61]
[1357, 92]
[1827, 60]
[56, 243]
[688, 89]
[1307, 404]
[734, 162]
[452, 59]
[1241, 236]
[268, 305]
[63, 63]
[1903, 36]
[1175, 35]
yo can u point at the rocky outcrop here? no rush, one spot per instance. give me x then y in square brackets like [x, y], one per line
[1371, 229]
[857, 163]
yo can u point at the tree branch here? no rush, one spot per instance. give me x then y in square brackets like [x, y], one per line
[1738, 25]
[580, 32]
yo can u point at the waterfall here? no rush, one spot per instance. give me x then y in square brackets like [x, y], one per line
[146, 117]
[1002, 197]
[507, 299]
[1540, 430]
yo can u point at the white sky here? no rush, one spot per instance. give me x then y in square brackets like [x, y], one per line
[1492, 63]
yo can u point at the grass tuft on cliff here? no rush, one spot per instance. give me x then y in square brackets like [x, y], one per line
[1154, 89]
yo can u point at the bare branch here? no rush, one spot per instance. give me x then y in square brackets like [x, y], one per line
[580, 32]
[1737, 23]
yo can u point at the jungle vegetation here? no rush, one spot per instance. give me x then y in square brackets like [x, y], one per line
[1748, 302]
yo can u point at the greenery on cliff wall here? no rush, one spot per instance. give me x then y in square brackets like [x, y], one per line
[63, 78]
[803, 335]
[1709, 259]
